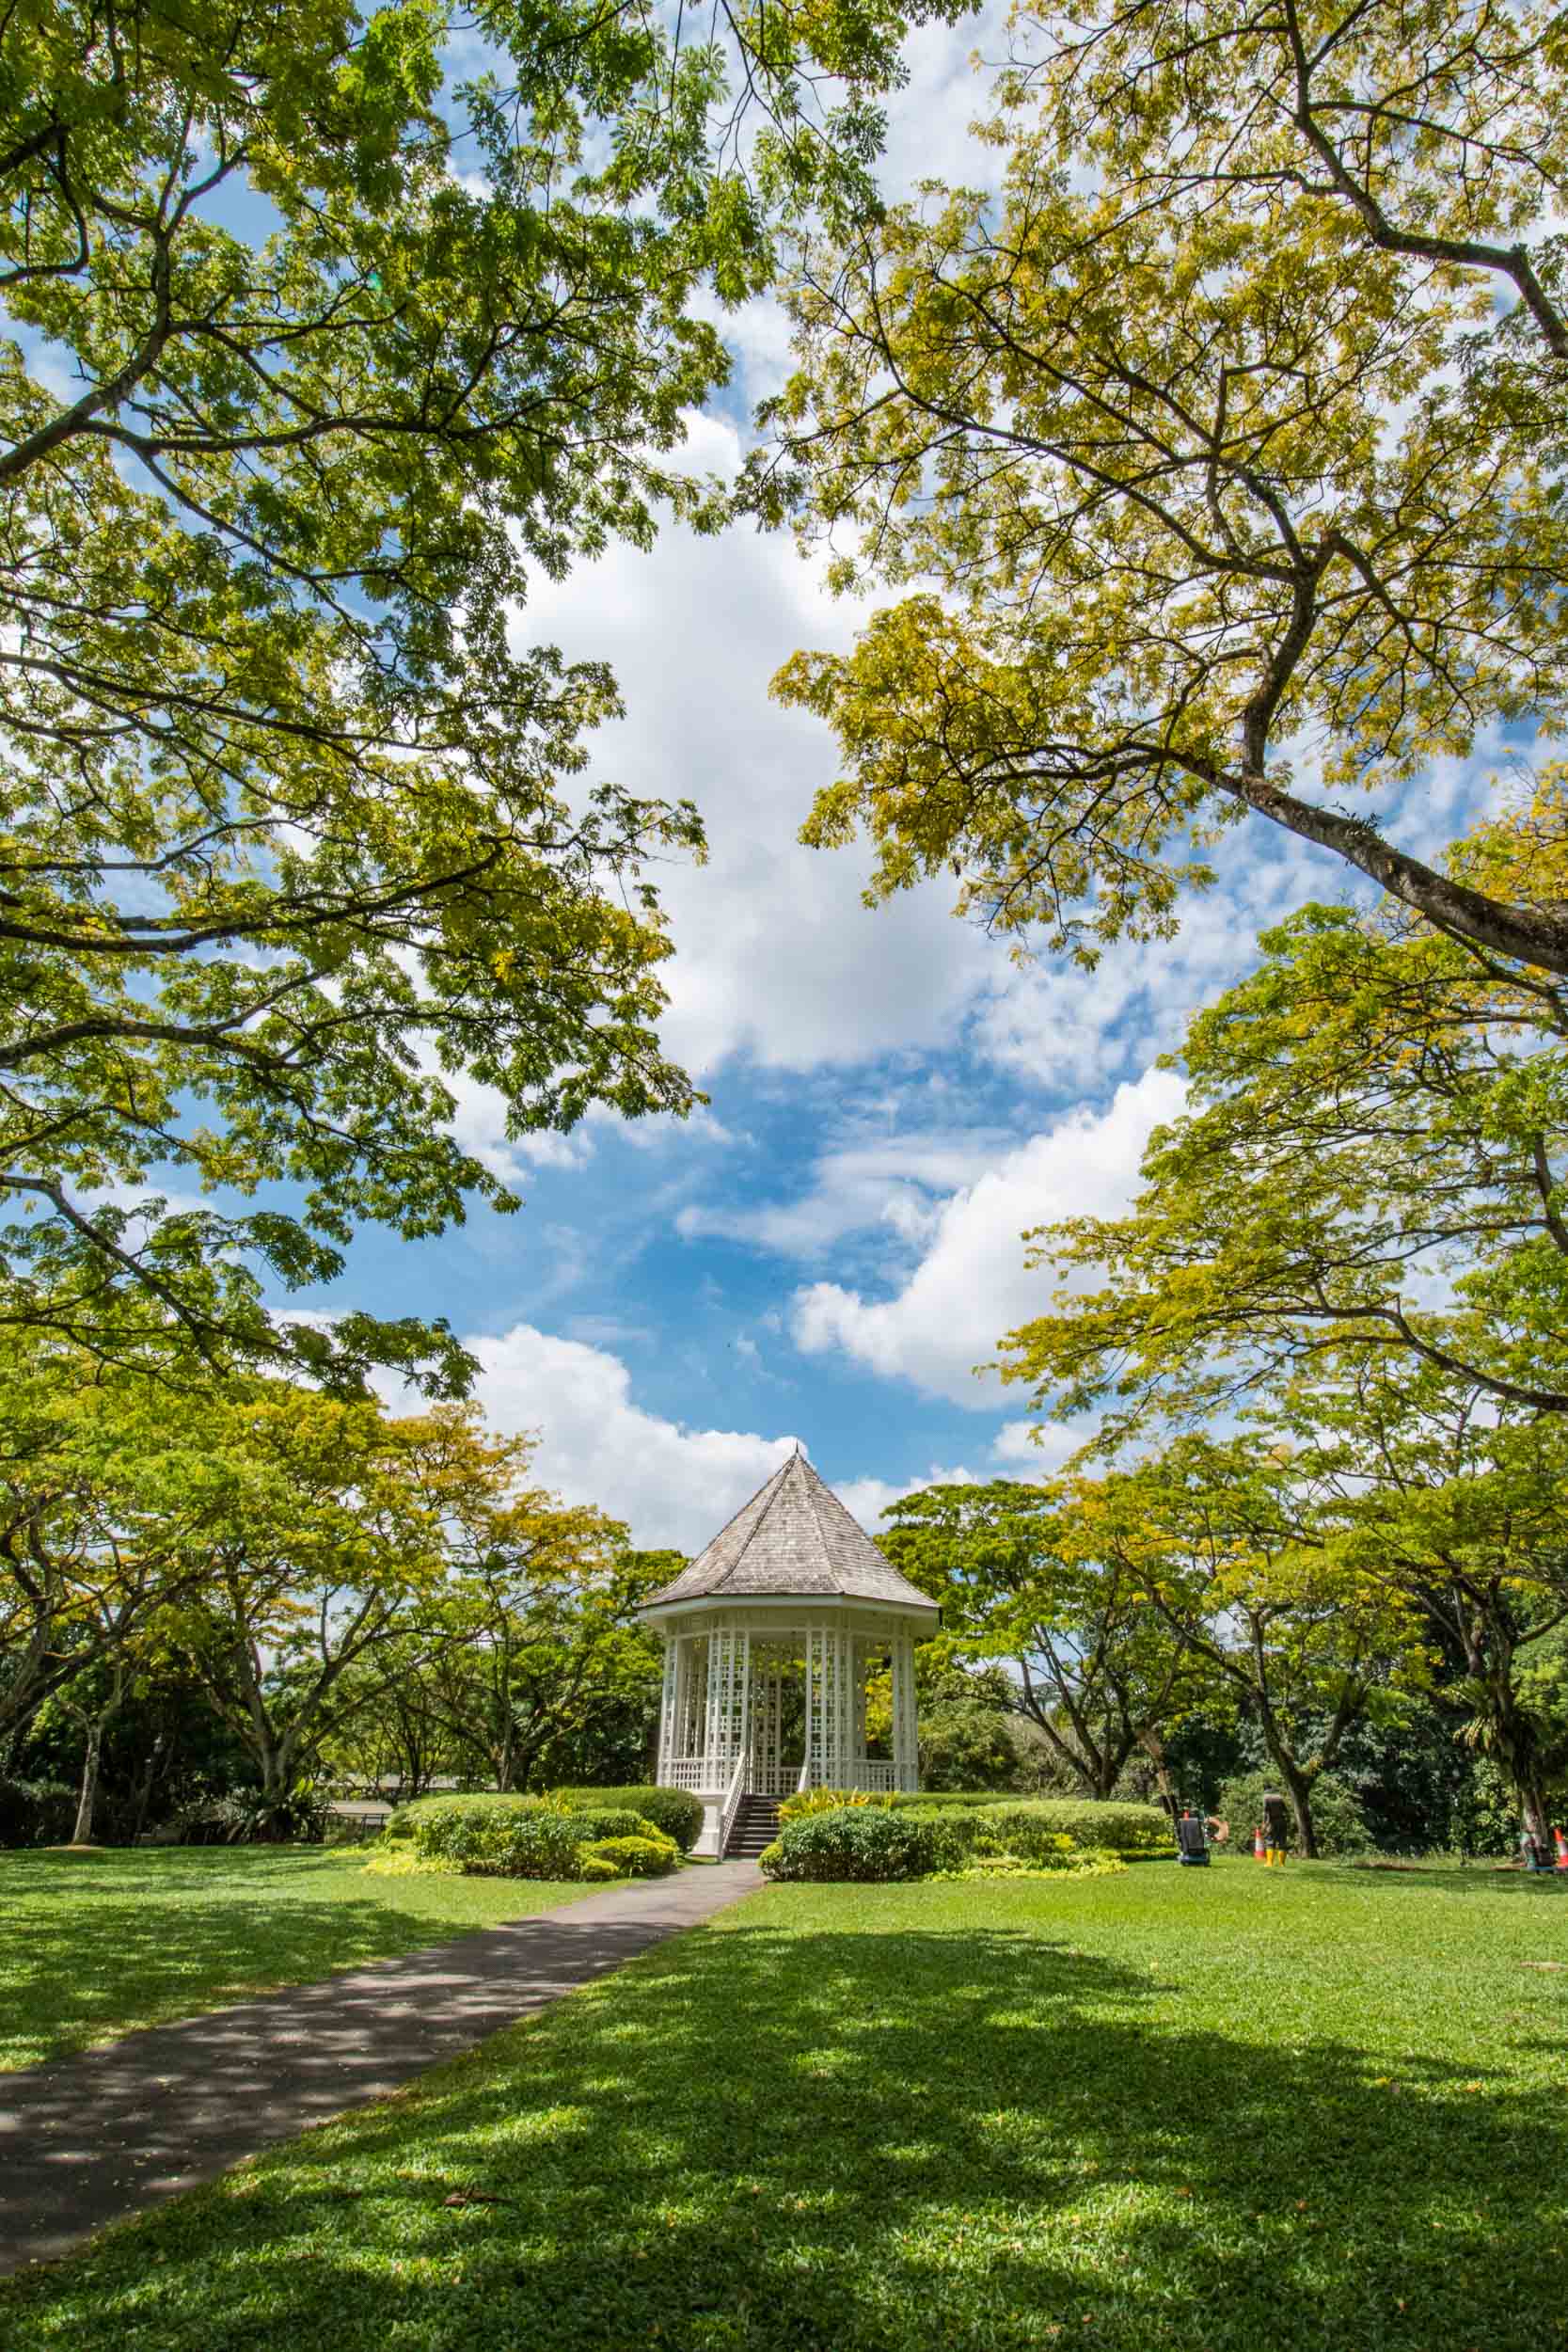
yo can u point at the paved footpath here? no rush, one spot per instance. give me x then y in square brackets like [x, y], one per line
[89, 2140]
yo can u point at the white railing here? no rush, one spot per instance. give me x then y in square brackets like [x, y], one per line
[738, 1779]
[875, 1775]
[693, 1771]
[774, 1780]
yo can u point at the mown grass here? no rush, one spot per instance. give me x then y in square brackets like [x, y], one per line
[94, 1944]
[1221, 2111]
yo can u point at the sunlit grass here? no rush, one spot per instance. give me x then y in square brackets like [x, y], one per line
[96, 1943]
[1312, 2111]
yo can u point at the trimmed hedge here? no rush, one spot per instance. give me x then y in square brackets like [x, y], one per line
[1009, 1825]
[673, 1811]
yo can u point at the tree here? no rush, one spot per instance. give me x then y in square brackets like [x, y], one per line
[1373, 1163]
[536, 1635]
[99, 1532]
[291, 836]
[325, 1552]
[967, 1746]
[1232, 1544]
[1019, 1576]
[1218, 460]
[1460, 1516]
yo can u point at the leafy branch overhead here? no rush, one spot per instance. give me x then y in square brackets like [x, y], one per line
[1217, 464]
[295, 836]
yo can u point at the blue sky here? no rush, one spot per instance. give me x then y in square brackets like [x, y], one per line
[826, 1253]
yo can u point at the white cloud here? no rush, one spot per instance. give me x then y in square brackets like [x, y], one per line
[776, 957]
[1039, 1448]
[971, 1286]
[885, 1180]
[866, 1498]
[671, 1484]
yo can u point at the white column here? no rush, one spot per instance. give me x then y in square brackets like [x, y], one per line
[906, 1729]
[669, 1713]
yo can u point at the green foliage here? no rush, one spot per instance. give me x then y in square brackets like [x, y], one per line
[1138, 497]
[318, 360]
[640, 1856]
[1339, 1823]
[1093, 1669]
[805, 1801]
[516, 1840]
[36, 1812]
[853, 1842]
[967, 1747]
[403, 1820]
[1366, 1069]
[609, 1821]
[1045, 1828]
[406, 1862]
[989, 1823]
[673, 1811]
[98, 1944]
[1070, 1861]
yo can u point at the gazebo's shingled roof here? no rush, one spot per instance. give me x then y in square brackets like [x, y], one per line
[793, 1536]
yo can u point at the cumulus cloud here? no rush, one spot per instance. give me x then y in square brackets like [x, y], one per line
[776, 957]
[894, 1180]
[670, 1484]
[971, 1286]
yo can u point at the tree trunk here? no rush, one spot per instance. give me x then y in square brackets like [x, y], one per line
[87, 1802]
[1299, 1789]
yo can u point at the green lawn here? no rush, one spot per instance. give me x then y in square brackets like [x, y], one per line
[94, 1944]
[1317, 2111]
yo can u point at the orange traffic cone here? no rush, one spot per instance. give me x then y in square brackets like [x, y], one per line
[1561, 1844]
[1258, 1853]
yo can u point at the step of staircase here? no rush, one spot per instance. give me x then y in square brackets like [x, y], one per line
[755, 1825]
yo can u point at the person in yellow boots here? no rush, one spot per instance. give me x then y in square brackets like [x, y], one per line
[1275, 1830]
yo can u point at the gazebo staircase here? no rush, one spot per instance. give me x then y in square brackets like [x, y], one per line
[756, 1824]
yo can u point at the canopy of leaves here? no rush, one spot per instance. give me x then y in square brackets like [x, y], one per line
[1219, 461]
[1373, 1165]
[313, 359]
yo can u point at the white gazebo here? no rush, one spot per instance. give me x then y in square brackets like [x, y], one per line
[769, 1636]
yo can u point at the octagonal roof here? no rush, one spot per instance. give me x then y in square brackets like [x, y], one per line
[794, 1536]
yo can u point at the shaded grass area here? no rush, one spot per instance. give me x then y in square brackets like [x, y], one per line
[1221, 2111]
[95, 1944]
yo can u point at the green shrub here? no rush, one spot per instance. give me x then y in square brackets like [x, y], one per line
[1083, 1862]
[858, 1842]
[594, 1823]
[1010, 1826]
[36, 1812]
[1336, 1815]
[405, 1862]
[949, 1799]
[644, 1857]
[808, 1801]
[402, 1819]
[673, 1811]
[491, 1841]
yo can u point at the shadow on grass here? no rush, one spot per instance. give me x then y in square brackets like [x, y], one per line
[869, 2143]
[100, 1943]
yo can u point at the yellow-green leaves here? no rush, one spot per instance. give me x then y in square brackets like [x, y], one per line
[1222, 450]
